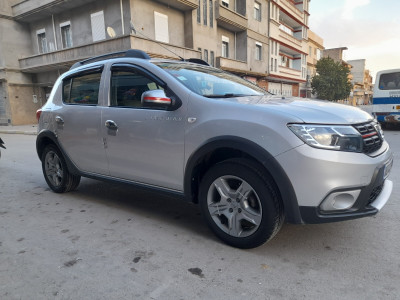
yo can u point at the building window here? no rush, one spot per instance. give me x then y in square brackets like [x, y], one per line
[66, 36]
[211, 13]
[42, 41]
[276, 65]
[98, 27]
[205, 12]
[201, 54]
[225, 47]
[212, 58]
[225, 3]
[272, 65]
[258, 51]
[199, 13]
[161, 27]
[205, 55]
[257, 11]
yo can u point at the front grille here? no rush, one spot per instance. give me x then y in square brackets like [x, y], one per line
[371, 137]
[375, 193]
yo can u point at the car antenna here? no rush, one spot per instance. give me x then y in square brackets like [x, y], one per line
[134, 31]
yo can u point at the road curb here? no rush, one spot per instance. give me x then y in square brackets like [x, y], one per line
[18, 132]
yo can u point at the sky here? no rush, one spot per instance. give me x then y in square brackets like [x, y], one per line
[370, 29]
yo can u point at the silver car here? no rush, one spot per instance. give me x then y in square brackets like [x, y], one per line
[249, 158]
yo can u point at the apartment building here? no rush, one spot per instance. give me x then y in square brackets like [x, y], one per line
[262, 41]
[288, 32]
[362, 83]
[315, 49]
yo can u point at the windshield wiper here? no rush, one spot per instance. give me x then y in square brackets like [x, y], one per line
[227, 95]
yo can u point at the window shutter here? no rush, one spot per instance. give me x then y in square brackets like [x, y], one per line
[98, 27]
[161, 27]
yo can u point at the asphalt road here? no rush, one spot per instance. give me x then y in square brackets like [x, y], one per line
[108, 241]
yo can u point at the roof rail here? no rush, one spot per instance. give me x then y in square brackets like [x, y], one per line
[129, 53]
[197, 61]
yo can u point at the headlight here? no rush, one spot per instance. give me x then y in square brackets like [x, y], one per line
[341, 138]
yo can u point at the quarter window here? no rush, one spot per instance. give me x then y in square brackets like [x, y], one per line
[82, 89]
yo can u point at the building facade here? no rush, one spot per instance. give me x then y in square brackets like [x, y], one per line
[362, 83]
[262, 41]
[315, 50]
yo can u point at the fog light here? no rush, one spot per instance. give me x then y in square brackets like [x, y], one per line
[340, 200]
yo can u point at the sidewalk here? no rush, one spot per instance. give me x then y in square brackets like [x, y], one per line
[21, 129]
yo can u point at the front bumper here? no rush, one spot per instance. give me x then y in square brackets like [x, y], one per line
[317, 174]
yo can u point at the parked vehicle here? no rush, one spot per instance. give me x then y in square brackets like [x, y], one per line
[2, 145]
[386, 97]
[249, 158]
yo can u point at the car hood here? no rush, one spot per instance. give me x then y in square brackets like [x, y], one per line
[308, 110]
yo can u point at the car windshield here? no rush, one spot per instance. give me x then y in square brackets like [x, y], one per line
[211, 82]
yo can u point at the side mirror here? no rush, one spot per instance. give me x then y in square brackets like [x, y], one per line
[156, 99]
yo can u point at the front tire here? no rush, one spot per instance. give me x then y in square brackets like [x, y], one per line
[240, 203]
[55, 171]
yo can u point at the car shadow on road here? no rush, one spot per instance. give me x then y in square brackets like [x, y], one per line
[153, 205]
[177, 212]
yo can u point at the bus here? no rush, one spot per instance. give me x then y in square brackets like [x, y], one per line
[386, 97]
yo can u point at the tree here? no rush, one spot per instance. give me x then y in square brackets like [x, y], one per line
[332, 80]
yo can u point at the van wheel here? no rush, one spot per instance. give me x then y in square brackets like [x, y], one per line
[240, 203]
[55, 171]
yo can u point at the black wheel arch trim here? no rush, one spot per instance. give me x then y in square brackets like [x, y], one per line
[45, 135]
[291, 208]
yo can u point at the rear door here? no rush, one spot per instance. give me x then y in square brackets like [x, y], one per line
[146, 145]
[79, 121]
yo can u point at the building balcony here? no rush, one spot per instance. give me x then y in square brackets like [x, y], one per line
[32, 10]
[290, 40]
[289, 7]
[230, 19]
[63, 59]
[183, 5]
[288, 74]
[232, 65]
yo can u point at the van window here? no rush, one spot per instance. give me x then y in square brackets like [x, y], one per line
[390, 81]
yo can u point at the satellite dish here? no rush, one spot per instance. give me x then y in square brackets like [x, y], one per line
[111, 32]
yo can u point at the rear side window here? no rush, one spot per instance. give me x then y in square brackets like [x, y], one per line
[82, 89]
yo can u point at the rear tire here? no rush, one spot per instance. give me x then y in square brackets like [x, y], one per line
[240, 203]
[55, 171]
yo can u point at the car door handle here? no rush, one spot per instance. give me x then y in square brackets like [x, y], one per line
[59, 120]
[111, 125]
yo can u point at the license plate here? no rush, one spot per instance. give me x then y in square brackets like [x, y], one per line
[388, 168]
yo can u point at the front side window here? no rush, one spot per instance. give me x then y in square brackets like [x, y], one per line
[82, 89]
[127, 87]
[210, 82]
